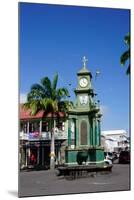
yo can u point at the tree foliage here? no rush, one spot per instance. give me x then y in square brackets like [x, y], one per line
[126, 55]
[46, 96]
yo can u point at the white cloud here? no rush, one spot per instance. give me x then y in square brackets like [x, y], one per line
[23, 98]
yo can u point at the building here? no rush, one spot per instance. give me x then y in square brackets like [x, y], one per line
[35, 137]
[114, 140]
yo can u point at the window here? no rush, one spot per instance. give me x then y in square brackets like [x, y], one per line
[23, 127]
[83, 133]
[60, 125]
[45, 126]
[33, 127]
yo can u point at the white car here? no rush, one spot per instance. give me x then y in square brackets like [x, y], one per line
[108, 161]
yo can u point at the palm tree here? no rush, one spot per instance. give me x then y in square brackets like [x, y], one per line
[126, 55]
[47, 97]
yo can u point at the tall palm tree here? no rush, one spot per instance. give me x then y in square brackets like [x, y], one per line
[126, 55]
[46, 96]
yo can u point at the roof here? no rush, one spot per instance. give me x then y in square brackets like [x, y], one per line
[111, 139]
[25, 114]
[50, 114]
[84, 71]
[114, 132]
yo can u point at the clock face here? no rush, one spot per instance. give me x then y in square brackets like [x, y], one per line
[83, 82]
[83, 99]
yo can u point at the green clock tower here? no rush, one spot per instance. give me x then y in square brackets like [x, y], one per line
[84, 139]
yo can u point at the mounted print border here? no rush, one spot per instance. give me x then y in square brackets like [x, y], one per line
[74, 117]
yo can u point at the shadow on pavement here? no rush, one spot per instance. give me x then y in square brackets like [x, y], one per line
[13, 193]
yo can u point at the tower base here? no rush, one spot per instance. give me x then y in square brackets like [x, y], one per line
[87, 155]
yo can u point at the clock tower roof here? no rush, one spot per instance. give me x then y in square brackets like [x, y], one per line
[84, 70]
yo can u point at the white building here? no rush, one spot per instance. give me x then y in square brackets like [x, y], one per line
[114, 140]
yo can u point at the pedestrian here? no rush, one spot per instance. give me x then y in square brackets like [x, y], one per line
[33, 159]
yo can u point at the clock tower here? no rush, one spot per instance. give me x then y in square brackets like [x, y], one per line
[84, 123]
[84, 89]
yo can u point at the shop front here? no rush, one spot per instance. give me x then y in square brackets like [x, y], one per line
[36, 154]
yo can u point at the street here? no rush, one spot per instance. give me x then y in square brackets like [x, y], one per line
[35, 183]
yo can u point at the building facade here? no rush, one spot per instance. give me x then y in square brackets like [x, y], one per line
[115, 140]
[35, 137]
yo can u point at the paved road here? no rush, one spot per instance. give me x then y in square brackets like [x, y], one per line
[36, 183]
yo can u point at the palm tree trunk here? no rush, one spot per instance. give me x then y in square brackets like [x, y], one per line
[52, 153]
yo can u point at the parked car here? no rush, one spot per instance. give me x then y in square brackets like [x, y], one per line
[124, 157]
[115, 157]
[111, 156]
[107, 162]
[108, 155]
[108, 158]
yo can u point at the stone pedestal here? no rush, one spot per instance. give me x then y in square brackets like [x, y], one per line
[84, 156]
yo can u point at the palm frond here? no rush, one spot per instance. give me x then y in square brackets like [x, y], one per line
[26, 106]
[55, 80]
[53, 94]
[62, 93]
[124, 57]
[34, 106]
[127, 39]
[47, 86]
[35, 94]
[128, 70]
[37, 86]
[50, 105]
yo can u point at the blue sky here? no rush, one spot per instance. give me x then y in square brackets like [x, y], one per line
[55, 38]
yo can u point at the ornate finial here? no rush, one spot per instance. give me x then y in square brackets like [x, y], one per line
[84, 60]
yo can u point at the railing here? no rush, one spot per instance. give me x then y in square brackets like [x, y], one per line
[24, 136]
[59, 135]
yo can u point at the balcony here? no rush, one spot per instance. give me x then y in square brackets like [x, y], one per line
[23, 136]
[59, 135]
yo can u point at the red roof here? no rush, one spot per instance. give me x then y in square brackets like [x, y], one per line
[59, 114]
[25, 114]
